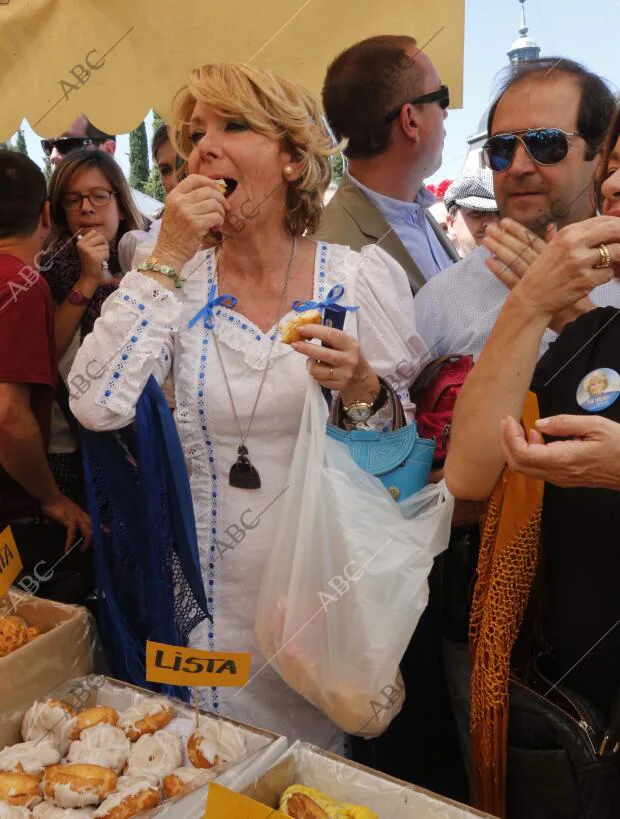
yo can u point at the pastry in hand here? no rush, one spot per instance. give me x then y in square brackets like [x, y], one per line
[145, 718]
[133, 795]
[94, 716]
[77, 785]
[52, 721]
[20, 789]
[29, 757]
[215, 742]
[288, 329]
[301, 802]
[182, 781]
[156, 754]
[102, 745]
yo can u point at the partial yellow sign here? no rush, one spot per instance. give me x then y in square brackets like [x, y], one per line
[225, 804]
[191, 667]
[10, 561]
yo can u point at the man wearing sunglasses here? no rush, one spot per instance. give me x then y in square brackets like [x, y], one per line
[80, 134]
[546, 128]
[385, 97]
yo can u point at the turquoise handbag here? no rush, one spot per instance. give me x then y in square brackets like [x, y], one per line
[399, 458]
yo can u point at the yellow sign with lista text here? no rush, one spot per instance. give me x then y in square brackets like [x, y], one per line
[10, 561]
[225, 804]
[195, 668]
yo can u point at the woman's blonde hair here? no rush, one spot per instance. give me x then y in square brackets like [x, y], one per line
[276, 108]
[74, 163]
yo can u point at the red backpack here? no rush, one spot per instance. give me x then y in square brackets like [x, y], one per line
[434, 393]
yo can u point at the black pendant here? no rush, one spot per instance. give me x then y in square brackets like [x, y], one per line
[242, 474]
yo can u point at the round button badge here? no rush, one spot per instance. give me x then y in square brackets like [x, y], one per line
[598, 390]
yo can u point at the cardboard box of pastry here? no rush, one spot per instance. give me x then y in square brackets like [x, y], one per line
[347, 782]
[251, 751]
[64, 648]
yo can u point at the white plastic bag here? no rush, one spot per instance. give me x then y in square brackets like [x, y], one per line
[346, 582]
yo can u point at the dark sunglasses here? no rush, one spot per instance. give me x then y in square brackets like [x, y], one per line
[442, 96]
[546, 146]
[66, 144]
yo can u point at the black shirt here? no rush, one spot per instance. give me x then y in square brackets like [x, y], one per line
[581, 527]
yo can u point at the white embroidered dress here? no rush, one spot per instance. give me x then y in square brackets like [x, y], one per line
[143, 330]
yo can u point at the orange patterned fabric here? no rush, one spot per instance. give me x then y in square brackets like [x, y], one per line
[507, 564]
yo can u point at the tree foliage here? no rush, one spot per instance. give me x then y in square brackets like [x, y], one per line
[338, 168]
[138, 158]
[20, 143]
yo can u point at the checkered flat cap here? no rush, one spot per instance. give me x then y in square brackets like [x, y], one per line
[472, 190]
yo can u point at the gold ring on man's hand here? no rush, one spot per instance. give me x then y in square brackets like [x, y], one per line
[605, 257]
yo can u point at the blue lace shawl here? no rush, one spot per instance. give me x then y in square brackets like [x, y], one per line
[147, 569]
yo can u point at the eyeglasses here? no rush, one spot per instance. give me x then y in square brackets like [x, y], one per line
[442, 96]
[546, 146]
[98, 198]
[65, 144]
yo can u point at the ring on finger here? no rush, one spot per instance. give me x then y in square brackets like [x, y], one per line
[605, 257]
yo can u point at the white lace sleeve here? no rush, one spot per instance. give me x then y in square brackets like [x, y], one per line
[386, 323]
[132, 340]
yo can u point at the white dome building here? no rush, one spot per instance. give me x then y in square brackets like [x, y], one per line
[523, 49]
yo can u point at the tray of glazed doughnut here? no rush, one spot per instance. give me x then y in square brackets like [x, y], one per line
[97, 748]
[42, 643]
[309, 783]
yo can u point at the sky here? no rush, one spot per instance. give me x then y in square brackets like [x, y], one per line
[585, 31]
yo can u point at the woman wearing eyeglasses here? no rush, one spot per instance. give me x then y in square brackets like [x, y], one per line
[91, 208]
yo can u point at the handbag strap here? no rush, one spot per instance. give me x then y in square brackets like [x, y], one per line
[336, 415]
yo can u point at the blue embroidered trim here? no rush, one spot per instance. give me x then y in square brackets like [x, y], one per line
[209, 696]
[119, 365]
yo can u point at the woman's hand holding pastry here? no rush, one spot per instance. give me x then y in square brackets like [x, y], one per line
[338, 363]
[194, 208]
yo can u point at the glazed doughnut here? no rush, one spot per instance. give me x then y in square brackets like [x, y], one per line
[13, 811]
[134, 795]
[20, 789]
[13, 634]
[28, 757]
[102, 745]
[46, 810]
[52, 719]
[288, 329]
[94, 716]
[156, 754]
[78, 785]
[184, 780]
[145, 718]
[213, 743]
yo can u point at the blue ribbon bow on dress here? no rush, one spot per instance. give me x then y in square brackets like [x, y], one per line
[336, 293]
[227, 300]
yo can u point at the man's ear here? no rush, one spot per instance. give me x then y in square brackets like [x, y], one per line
[409, 122]
[46, 220]
[108, 147]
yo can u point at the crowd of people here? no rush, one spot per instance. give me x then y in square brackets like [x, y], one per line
[515, 277]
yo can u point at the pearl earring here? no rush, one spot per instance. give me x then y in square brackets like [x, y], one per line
[287, 171]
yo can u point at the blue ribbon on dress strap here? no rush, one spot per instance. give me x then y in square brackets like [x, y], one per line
[336, 293]
[207, 311]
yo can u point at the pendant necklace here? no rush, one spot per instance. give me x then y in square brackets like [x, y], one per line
[243, 474]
